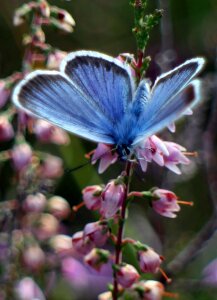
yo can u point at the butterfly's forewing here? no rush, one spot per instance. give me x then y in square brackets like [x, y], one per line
[105, 80]
[167, 101]
[87, 101]
[50, 95]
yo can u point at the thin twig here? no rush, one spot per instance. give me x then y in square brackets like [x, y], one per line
[118, 250]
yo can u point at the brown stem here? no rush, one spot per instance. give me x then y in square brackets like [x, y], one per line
[118, 249]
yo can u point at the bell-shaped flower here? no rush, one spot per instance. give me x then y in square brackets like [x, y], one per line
[27, 289]
[105, 155]
[58, 207]
[149, 260]
[34, 258]
[49, 133]
[82, 244]
[126, 275]
[98, 232]
[34, 203]
[4, 93]
[92, 196]
[165, 203]
[21, 156]
[96, 258]
[112, 198]
[6, 129]
[150, 289]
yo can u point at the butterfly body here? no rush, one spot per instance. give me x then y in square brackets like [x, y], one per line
[94, 96]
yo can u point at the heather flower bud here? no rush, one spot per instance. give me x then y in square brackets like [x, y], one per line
[105, 296]
[44, 8]
[165, 203]
[6, 129]
[92, 196]
[21, 13]
[4, 93]
[112, 198]
[61, 243]
[96, 258]
[52, 167]
[126, 275]
[34, 203]
[175, 157]
[82, 244]
[27, 289]
[34, 258]
[55, 58]
[150, 289]
[61, 19]
[104, 153]
[47, 133]
[149, 260]
[46, 226]
[98, 232]
[58, 207]
[21, 156]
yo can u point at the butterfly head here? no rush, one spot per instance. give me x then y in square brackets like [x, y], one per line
[124, 151]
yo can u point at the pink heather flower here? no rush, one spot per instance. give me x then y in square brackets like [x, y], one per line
[52, 167]
[98, 232]
[166, 154]
[6, 129]
[33, 258]
[58, 207]
[149, 261]
[153, 290]
[92, 196]
[21, 156]
[4, 93]
[96, 258]
[127, 275]
[175, 157]
[47, 133]
[105, 296]
[61, 244]
[55, 58]
[46, 226]
[82, 244]
[27, 289]
[104, 153]
[34, 203]
[210, 274]
[152, 148]
[112, 198]
[165, 203]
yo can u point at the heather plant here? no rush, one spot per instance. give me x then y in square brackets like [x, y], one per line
[36, 247]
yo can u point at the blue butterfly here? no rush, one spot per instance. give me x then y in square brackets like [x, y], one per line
[94, 96]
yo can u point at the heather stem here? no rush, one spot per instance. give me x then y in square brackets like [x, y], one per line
[118, 250]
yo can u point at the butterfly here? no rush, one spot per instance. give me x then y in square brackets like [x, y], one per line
[94, 96]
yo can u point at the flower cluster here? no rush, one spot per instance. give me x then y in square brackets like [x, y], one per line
[164, 153]
[34, 237]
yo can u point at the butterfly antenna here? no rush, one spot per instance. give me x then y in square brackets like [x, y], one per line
[70, 170]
